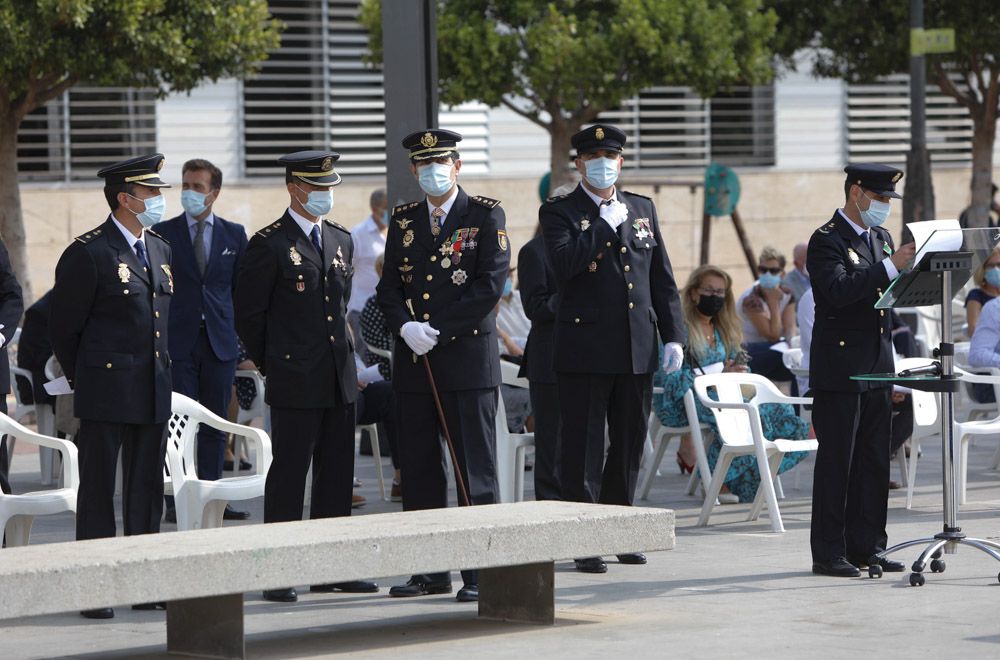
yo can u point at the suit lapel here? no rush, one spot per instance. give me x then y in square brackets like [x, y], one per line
[330, 247]
[857, 243]
[302, 244]
[585, 205]
[627, 231]
[125, 252]
[183, 243]
[422, 226]
[215, 247]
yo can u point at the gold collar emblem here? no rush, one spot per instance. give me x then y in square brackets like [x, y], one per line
[853, 255]
[585, 224]
[170, 276]
[294, 255]
[123, 273]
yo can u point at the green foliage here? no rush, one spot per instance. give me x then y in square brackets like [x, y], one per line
[568, 60]
[170, 45]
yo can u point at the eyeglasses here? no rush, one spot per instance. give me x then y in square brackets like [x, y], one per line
[774, 271]
[992, 264]
[712, 292]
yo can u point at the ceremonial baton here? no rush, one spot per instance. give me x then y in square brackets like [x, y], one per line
[459, 482]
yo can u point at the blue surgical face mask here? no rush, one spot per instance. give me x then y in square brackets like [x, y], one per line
[155, 208]
[385, 217]
[508, 287]
[319, 203]
[769, 281]
[193, 202]
[602, 172]
[993, 276]
[435, 179]
[876, 214]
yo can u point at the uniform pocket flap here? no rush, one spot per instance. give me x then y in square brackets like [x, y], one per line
[107, 360]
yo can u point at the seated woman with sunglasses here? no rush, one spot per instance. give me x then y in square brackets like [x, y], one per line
[714, 345]
[768, 314]
[987, 279]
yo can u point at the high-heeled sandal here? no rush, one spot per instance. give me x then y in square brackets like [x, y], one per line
[682, 464]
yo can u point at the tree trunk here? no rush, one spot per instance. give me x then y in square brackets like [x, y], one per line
[560, 133]
[984, 134]
[11, 220]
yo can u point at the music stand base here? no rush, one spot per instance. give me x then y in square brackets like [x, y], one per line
[946, 541]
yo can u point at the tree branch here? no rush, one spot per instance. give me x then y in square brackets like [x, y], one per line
[527, 115]
[948, 87]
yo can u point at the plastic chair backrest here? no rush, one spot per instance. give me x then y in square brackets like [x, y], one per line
[925, 404]
[733, 424]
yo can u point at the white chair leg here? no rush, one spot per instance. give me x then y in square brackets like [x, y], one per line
[519, 455]
[704, 472]
[377, 455]
[771, 497]
[995, 461]
[651, 467]
[901, 464]
[963, 467]
[18, 530]
[778, 487]
[45, 460]
[721, 466]
[911, 473]
[758, 500]
[212, 514]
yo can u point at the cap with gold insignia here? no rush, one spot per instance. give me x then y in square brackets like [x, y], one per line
[431, 143]
[141, 170]
[876, 177]
[313, 167]
[598, 136]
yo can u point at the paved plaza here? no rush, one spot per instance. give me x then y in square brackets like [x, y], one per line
[733, 589]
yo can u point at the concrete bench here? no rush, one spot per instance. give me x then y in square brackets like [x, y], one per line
[202, 574]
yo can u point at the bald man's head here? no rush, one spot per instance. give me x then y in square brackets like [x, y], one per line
[799, 256]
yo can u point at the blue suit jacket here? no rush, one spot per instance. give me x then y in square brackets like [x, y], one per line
[211, 296]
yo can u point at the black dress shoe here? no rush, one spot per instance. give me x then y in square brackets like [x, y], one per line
[150, 606]
[354, 587]
[632, 558]
[227, 466]
[591, 565]
[468, 594]
[421, 585]
[233, 514]
[99, 613]
[888, 565]
[836, 567]
[170, 516]
[281, 595]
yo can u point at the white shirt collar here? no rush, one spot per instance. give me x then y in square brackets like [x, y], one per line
[596, 199]
[858, 230]
[129, 236]
[446, 206]
[191, 220]
[304, 223]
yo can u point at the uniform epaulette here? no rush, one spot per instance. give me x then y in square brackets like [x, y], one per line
[270, 229]
[89, 236]
[402, 208]
[827, 228]
[488, 202]
[556, 198]
[635, 194]
[153, 233]
[337, 225]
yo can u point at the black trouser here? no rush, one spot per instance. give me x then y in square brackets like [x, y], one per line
[324, 437]
[4, 457]
[377, 405]
[586, 401]
[142, 449]
[902, 423]
[851, 482]
[545, 408]
[471, 418]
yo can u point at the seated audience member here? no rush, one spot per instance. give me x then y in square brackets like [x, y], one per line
[987, 279]
[797, 279]
[714, 339]
[513, 325]
[768, 314]
[984, 350]
[376, 404]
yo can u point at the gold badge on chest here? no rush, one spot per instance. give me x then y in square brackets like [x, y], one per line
[408, 238]
[295, 256]
[123, 273]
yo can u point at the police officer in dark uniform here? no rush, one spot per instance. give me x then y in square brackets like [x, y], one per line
[108, 327]
[446, 260]
[291, 297]
[851, 261]
[618, 304]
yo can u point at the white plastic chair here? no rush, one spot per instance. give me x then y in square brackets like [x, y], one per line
[372, 430]
[258, 410]
[511, 447]
[967, 408]
[741, 434]
[17, 512]
[381, 353]
[664, 434]
[965, 431]
[199, 503]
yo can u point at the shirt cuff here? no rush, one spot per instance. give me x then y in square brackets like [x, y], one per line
[890, 269]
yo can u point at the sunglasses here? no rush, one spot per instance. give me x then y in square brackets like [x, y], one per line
[712, 292]
[761, 270]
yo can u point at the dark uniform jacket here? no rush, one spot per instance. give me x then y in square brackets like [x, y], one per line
[109, 326]
[850, 336]
[540, 298]
[34, 349]
[290, 313]
[11, 307]
[617, 289]
[454, 282]
[209, 297]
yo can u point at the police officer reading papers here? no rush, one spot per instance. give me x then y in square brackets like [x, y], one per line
[851, 262]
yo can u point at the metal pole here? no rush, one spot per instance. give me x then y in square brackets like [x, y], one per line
[918, 193]
[947, 411]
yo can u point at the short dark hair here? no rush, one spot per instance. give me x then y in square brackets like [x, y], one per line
[378, 197]
[111, 193]
[196, 164]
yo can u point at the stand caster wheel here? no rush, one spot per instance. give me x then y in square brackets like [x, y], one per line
[936, 555]
[917, 579]
[937, 566]
[875, 571]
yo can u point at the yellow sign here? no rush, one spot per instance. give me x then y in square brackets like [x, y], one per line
[941, 40]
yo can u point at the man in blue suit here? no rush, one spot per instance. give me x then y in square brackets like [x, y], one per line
[203, 343]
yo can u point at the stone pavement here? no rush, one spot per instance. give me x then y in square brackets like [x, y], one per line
[732, 589]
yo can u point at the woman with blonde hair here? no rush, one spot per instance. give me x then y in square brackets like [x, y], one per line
[714, 338]
[987, 279]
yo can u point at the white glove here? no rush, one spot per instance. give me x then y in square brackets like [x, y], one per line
[614, 213]
[673, 357]
[416, 337]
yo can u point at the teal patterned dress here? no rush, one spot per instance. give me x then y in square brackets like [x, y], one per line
[777, 421]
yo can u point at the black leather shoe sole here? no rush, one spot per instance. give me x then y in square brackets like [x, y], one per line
[468, 594]
[281, 595]
[233, 514]
[355, 587]
[423, 589]
[150, 606]
[632, 558]
[837, 569]
[591, 565]
[100, 613]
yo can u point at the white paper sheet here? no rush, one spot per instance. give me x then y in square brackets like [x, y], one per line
[58, 386]
[782, 347]
[714, 368]
[947, 237]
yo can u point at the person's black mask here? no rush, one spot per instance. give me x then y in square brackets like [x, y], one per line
[710, 305]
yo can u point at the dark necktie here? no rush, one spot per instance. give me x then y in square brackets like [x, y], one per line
[199, 247]
[314, 235]
[140, 251]
[871, 245]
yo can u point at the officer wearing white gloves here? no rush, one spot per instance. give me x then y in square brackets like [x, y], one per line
[618, 304]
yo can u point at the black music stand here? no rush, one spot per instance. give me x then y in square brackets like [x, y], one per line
[936, 280]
